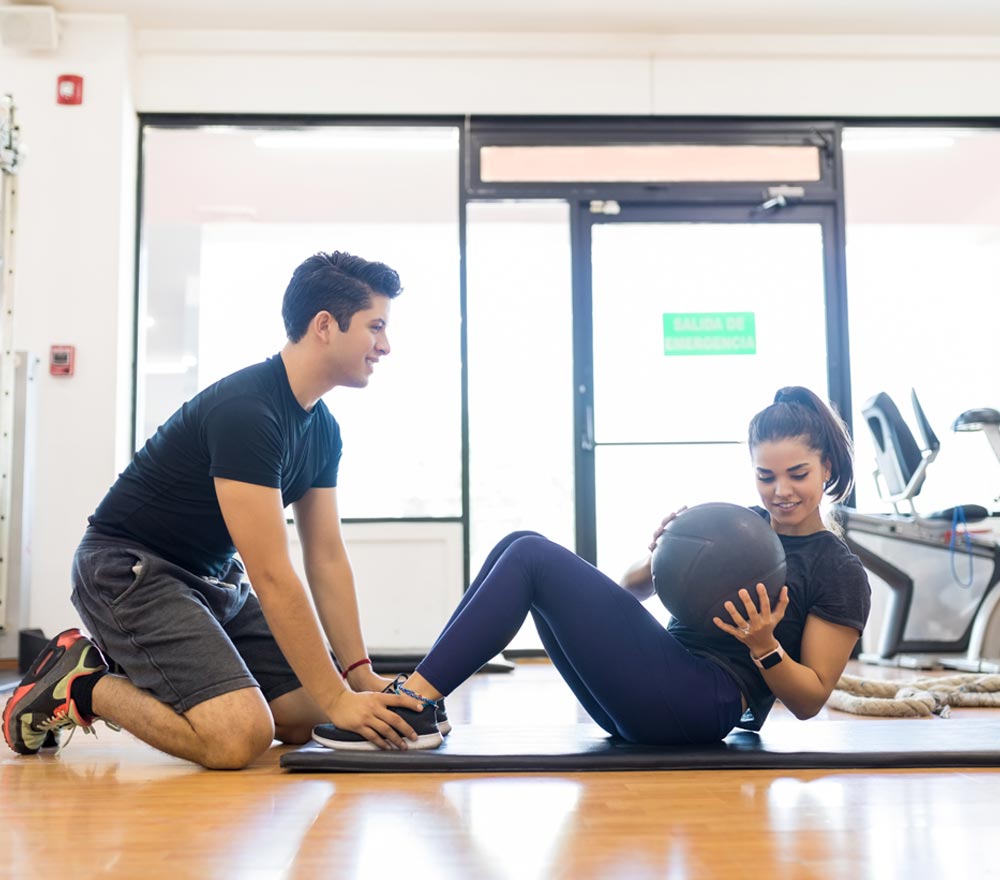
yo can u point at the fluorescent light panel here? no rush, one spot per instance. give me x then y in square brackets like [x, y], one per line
[409, 140]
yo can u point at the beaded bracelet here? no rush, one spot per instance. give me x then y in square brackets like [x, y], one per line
[402, 690]
[364, 661]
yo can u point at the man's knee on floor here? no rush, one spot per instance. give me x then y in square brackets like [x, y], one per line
[238, 747]
[234, 729]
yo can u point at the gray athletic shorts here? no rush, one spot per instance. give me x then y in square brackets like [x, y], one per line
[182, 637]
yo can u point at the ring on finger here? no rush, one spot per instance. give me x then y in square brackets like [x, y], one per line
[745, 630]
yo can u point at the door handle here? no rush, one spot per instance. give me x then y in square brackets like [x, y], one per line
[587, 438]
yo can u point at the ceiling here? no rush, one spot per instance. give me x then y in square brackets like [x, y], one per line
[898, 17]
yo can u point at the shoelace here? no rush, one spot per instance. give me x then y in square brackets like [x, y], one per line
[60, 722]
[396, 687]
[395, 683]
[109, 724]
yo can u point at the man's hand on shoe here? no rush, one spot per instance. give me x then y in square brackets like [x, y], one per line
[371, 715]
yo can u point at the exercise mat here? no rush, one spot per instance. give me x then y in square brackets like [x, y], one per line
[930, 742]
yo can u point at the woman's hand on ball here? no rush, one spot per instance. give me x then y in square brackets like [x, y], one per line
[754, 626]
[670, 517]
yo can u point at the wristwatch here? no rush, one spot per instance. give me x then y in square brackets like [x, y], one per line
[770, 659]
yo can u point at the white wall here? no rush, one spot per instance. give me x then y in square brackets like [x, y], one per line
[75, 235]
[234, 71]
[410, 579]
[73, 283]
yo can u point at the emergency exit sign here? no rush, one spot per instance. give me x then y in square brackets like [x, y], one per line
[688, 333]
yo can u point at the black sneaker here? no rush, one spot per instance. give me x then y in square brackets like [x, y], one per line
[444, 725]
[423, 722]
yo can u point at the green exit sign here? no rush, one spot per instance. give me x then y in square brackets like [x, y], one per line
[709, 333]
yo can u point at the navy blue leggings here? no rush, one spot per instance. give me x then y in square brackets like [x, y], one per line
[633, 678]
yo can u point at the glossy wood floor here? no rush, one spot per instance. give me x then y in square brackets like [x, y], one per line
[112, 807]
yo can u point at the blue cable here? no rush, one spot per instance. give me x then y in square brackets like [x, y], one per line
[958, 515]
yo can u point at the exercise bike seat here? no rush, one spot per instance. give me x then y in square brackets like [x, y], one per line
[971, 513]
[974, 419]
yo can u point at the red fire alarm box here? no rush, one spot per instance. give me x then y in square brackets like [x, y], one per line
[69, 89]
[61, 360]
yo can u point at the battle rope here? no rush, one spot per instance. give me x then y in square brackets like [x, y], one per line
[918, 697]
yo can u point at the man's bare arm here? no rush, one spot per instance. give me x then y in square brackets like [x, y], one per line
[256, 521]
[329, 573]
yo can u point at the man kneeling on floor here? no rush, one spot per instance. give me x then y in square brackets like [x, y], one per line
[215, 671]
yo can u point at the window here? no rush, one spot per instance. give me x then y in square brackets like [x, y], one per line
[230, 211]
[649, 163]
[520, 376]
[520, 372]
[923, 271]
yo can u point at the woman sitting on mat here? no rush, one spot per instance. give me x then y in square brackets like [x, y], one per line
[675, 685]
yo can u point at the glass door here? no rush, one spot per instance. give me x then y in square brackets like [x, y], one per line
[687, 322]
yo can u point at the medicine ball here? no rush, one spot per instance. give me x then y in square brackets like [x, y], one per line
[710, 552]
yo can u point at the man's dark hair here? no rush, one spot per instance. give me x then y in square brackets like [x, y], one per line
[338, 283]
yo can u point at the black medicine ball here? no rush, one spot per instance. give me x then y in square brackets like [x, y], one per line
[709, 553]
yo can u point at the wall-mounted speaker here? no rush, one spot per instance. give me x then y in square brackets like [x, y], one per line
[28, 27]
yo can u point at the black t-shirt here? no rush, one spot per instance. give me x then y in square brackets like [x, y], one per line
[824, 578]
[247, 427]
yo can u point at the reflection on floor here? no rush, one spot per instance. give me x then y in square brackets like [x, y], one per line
[111, 806]
[8, 680]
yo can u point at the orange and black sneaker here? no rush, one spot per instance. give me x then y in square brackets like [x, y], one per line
[42, 705]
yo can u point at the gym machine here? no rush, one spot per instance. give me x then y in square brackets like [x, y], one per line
[942, 568]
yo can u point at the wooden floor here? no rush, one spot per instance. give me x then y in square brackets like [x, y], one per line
[112, 807]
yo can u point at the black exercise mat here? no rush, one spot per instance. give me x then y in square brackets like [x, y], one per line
[899, 742]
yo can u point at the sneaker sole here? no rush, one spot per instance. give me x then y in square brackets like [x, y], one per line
[424, 741]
